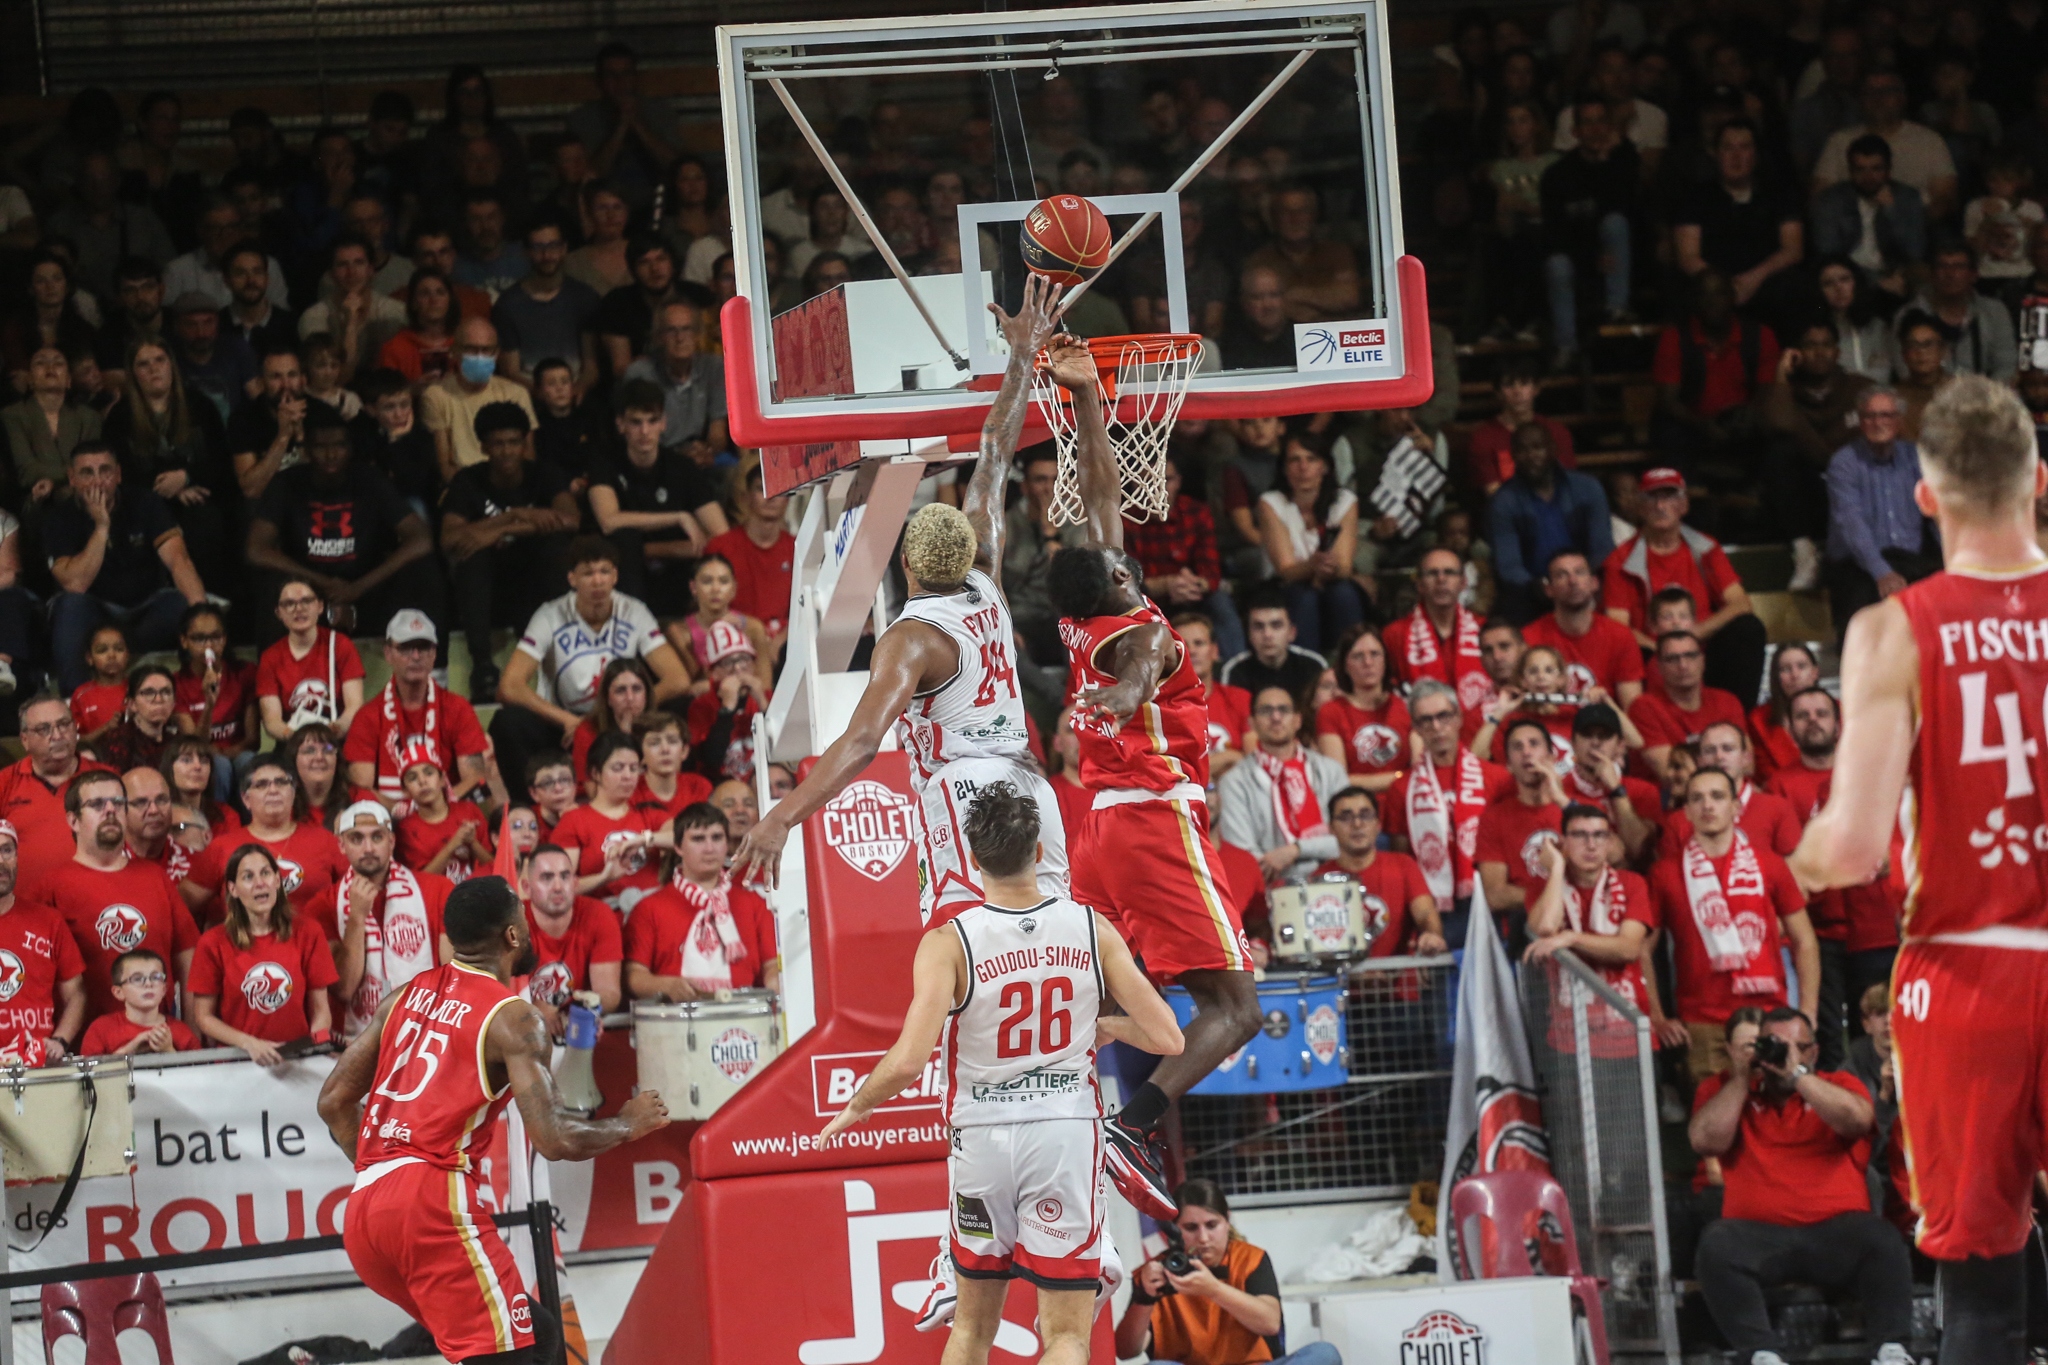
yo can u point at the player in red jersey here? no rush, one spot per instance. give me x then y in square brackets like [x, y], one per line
[443, 1056]
[1146, 859]
[1943, 740]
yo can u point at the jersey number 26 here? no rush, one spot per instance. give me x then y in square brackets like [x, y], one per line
[1055, 1025]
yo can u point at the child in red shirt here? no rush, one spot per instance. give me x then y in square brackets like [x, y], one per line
[102, 701]
[448, 837]
[140, 984]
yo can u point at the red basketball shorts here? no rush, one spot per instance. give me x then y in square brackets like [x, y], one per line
[1150, 867]
[1970, 1031]
[417, 1235]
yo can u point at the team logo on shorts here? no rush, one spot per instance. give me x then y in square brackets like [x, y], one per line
[970, 1217]
[1375, 745]
[1049, 1210]
[734, 1052]
[120, 927]
[1324, 1033]
[522, 1313]
[405, 935]
[267, 987]
[549, 984]
[1443, 1336]
[12, 975]
[869, 825]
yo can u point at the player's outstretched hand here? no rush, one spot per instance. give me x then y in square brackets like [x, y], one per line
[760, 853]
[1033, 324]
[1068, 361]
[644, 1113]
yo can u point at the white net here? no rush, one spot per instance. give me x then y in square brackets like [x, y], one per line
[1142, 381]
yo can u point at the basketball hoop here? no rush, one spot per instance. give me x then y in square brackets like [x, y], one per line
[1142, 381]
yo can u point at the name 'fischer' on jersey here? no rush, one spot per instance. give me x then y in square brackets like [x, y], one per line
[1989, 639]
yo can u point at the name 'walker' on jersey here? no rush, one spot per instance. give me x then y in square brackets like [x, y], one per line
[432, 1099]
[1021, 1046]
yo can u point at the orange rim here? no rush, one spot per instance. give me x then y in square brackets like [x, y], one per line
[1151, 348]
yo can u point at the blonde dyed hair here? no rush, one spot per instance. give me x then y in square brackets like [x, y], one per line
[1977, 443]
[938, 546]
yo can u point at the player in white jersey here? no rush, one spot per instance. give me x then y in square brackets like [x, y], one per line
[1015, 987]
[943, 671]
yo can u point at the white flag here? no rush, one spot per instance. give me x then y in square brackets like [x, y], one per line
[1496, 1123]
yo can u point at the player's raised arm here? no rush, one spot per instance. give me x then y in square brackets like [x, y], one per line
[1847, 842]
[342, 1093]
[903, 658]
[1147, 1020]
[1095, 476]
[1026, 332]
[518, 1039]
[939, 979]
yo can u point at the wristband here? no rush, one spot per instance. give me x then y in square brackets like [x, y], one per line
[1618, 794]
[1139, 1296]
[321, 1037]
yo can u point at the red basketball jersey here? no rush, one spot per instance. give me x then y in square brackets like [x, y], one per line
[1166, 741]
[432, 1101]
[1976, 837]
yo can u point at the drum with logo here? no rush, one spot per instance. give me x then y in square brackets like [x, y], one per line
[1300, 1044]
[699, 1053]
[1324, 920]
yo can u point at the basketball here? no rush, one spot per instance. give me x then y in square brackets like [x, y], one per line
[1066, 239]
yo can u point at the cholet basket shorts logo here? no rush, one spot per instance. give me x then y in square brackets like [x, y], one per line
[869, 825]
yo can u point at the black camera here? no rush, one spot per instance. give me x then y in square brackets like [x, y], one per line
[1772, 1050]
[1175, 1259]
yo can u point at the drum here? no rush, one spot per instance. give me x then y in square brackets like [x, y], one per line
[1314, 921]
[699, 1053]
[1300, 1044]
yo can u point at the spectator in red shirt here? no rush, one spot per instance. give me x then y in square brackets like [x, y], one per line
[1794, 1144]
[113, 902]
[258, 979]
[447, 838]
[624, 692]
[701, 933]
[313, 673]
[1596, 778]
[1230, 708]
[1397, 899]
[216, 690]
[1433, 810]
[1598, 651]
[308, 857]
[1493, 463]
[1181, 562]
[44, 1012]
[1708, 367]
[1667, 553]
[665, 786]
[102, 701]
[722, 719]
[617, 852]
[140, 984]
[32, 788]
[576, 939]
[551, 789]
[1727, 905]
[412, 707]
[1680, 711]
[1597, 910]
[1365, 726]
[1516, 829]
[762, 553]
[137, 740]
[1767, 818]
[1793, 670]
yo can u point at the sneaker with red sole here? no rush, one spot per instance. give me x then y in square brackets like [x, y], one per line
[1137, 1163]
[944, 1295]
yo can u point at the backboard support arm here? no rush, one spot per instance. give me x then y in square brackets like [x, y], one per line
[860, 212]
[1195, 168]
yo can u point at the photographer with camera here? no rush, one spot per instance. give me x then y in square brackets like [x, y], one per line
[1213, 1298]
[1793, 1144]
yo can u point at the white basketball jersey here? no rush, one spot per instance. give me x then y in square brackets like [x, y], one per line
[1021, 1047]
[978, 712]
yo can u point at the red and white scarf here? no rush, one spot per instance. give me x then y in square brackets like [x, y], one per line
[392, 769]
[713, 945]
[398, 943]
[1434, 821]
[1295, 808]
[1600, 909]
[1714, 914]
[1467, 670]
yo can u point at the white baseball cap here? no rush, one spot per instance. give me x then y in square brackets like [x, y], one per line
[349, 815]
[409, 625]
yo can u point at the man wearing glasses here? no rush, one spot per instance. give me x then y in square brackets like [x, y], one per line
[114, 902]
[1686, 706]
[1878, 541]
[1432, 811]
[41, 970]
[32, 789]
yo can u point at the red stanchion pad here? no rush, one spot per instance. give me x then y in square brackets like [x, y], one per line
[823, 1267]
[860, 857]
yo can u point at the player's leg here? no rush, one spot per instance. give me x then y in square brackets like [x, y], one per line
[975, 1320]
[1984, 1311]
[1064, 1319]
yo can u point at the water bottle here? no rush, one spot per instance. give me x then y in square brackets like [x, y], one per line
[575, 1080]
